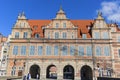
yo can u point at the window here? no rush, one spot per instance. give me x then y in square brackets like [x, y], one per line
[64, 35]
[48, 50]
[32, 50]
[23, 50]
[96, 35]
[89, 51]
[106, 50]
[40, 48]
[98, 50]
[25, 35]
[118, 38]
[84, 36]
[64, 50]
[13, 71]
[57, 25]
[56, 35]
[37, 35]
[16, 34]
[72, 35]
[80, 50]
[15, 50]
[22, 24]
[35, 27]
[72, 50]
[105, 35]
[56, 50]
[119, 52]
[64, 25]
[48, 35]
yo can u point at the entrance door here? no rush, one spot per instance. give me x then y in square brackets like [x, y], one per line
[86, 73]
[51, 72]
[34, 71]
[68, 72]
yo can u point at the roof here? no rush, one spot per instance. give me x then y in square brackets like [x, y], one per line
[81, 24]
[39, 24]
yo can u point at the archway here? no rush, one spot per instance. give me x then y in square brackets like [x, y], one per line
[34, 71]
[51, 72]
[86, 73]
[68, 72]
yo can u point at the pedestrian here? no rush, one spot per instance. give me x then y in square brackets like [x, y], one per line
[37, 76]
[28, 76]
[24, 78]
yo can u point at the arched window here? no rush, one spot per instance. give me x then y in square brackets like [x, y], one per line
[37, 35]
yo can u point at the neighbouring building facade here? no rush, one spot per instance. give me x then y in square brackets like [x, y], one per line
[64, 49]
[3, 55]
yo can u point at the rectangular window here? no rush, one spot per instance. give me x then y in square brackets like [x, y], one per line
[105, 35]
[56, 35]
[64, 25]
[64, 50]
[40, 50]
[84, 36]
[72, 50]
[97, 35]
[98, 51]
[80, 50]
[15, 50]
[57, 25]
[25, 35]
[23, 50]
[89, 51]
[118, 38]
[48, 50]
[16, 34]
[64, 35]
[56, 50]
[106, 50]
[32, 50]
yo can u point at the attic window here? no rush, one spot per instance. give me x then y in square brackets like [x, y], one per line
[35, 27]
[84, 36]
[37, 35]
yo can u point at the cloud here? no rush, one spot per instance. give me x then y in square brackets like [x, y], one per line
[111, 10]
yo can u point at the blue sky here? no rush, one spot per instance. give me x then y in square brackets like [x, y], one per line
[46, 9]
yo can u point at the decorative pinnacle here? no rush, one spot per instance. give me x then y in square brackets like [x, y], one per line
[99, 13]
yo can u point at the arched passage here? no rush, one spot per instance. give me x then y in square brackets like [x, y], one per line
[34, 71]
[86, 73]
[51, 72]
[68, 72]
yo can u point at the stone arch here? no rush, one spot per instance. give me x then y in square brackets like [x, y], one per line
[86, 73]
[68, 72]
[34, 71]
[51, 72]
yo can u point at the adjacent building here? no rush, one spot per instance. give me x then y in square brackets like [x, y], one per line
[3, 55]
[62, 48]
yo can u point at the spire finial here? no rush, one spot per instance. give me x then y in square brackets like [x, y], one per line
[99, 13]
[60, 7]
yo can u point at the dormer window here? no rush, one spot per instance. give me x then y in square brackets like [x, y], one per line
[64, 25]
[35, 27]
[37, 35]
[84, 36]
[57, 25]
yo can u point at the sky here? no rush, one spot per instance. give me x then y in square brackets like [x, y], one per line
[47, 9]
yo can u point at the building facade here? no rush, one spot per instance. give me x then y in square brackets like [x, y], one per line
[64, 49]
